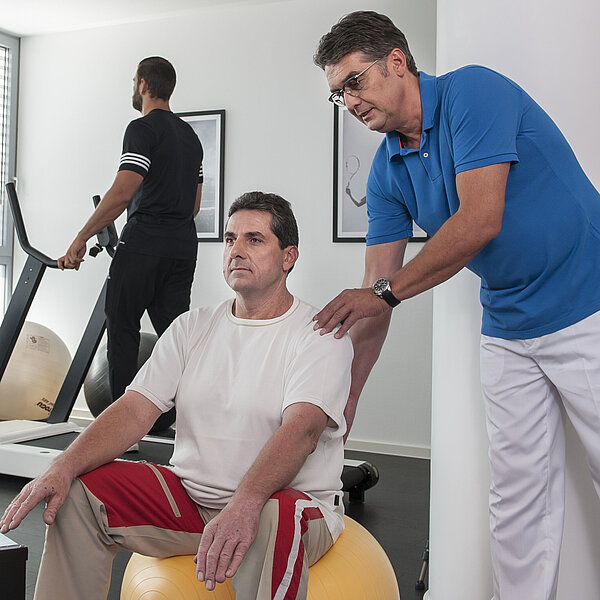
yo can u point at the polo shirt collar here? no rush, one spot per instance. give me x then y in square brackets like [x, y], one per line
[428, 89]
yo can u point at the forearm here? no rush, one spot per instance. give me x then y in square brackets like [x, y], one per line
[118, 427]
[475, 224]
[275, 467]
[110, 208]
[456, 243]
[368, 336]
[115, 201]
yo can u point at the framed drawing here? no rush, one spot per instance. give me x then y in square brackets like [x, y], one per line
[354, 147]
[209, 126]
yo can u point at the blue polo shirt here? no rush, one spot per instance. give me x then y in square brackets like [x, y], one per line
[542, 272]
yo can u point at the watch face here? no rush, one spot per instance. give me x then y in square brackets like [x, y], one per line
[380, 285]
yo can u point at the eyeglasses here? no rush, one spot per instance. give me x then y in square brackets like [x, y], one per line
[351, 87]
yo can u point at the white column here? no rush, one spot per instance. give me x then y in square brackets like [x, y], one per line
[460, 564]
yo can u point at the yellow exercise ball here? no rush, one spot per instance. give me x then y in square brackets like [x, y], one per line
[34, 374]
[355, 568]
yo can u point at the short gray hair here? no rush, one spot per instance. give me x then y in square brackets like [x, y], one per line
[365, 31]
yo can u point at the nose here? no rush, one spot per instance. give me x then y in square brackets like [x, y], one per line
[351, 101]
[237, 248]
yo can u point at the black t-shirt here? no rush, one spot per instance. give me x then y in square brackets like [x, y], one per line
[167, 153]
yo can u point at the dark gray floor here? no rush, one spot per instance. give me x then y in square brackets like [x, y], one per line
[395, 512]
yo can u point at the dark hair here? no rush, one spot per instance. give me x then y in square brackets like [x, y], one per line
[283, 222]
[160, 76]
[363, 31]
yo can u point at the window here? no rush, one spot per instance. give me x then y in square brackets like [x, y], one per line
[9, 73]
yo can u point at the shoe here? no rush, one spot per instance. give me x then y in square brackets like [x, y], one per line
[134, 448]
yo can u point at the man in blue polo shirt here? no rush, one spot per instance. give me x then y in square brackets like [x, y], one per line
[477, 164]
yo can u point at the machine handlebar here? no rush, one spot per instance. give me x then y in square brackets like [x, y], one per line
[20, 227]
[107, 238]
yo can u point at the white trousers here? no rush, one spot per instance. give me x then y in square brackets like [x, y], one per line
[524, 382]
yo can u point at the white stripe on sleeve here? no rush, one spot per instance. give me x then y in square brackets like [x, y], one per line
[135, 159]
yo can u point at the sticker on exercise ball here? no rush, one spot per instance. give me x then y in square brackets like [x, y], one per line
[45, 404]
[39, 343]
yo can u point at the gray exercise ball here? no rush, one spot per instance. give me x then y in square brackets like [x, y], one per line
[96, 386]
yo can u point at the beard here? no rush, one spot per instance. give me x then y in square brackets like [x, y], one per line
[136, 101]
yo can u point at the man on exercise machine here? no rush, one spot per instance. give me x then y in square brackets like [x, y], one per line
[254, 488]
[159, 182]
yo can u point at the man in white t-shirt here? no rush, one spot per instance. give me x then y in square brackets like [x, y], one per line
[254, 485]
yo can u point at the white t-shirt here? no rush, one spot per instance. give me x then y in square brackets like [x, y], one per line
[231, 379]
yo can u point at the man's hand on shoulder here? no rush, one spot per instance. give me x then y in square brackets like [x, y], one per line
[347, 308]
[52, 486]
[226, 540]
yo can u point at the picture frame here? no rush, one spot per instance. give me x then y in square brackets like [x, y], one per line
[354, 147]
[209, 126]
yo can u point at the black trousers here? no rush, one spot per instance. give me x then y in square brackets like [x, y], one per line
[136, 283]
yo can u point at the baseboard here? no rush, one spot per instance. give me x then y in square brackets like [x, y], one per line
[81, 416]
[393, 449]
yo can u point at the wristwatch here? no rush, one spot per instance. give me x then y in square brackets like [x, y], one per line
[383, 289]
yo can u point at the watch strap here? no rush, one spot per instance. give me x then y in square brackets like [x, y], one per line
[390, 298]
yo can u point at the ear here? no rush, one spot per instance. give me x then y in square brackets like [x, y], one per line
[143, 86]
[396, 62]
[290, 257]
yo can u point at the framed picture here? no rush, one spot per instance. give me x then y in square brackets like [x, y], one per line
[209, 126]
[354, 147]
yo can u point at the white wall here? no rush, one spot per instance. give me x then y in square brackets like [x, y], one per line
[255, 61]
[550, 49]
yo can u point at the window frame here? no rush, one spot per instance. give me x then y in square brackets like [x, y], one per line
[13, 44]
